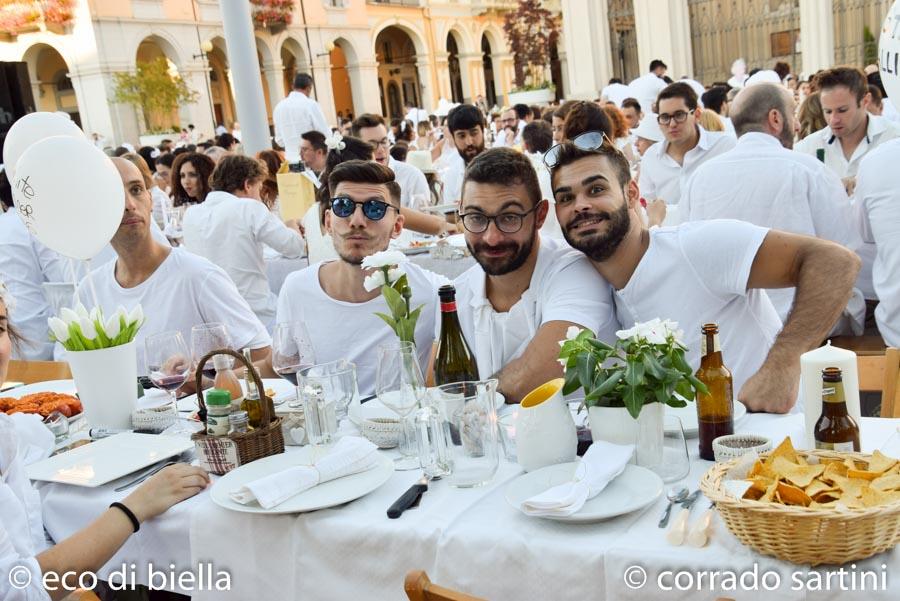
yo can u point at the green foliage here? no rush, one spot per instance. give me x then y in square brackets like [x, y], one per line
[152, 89]
[870, 47]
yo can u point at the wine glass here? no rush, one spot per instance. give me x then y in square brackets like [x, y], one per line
[292, 352]
[328, 388]
[208, 337]
[169, 366]
[400, 387]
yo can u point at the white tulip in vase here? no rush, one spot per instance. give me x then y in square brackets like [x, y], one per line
[101, 354]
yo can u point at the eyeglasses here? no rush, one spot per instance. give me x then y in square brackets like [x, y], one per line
[508, 223]
[382, 142]
[589, 140]
[344, 206]
[678, 116]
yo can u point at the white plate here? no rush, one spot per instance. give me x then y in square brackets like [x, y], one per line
[335, 492]
[633, 489]
[60, 386]
[284, 391]
[107, 459]
[688, 416]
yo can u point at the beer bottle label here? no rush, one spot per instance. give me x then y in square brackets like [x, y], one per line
[834, 446]
[716, 346]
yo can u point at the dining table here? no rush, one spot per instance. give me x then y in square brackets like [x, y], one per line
[469, 539]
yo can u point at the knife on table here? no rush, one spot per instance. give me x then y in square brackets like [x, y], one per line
[409, 498]
[678, 531]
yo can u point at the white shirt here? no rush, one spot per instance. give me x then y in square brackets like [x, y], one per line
[645, 89]
[761, 182]
[878, 130]
[662, 177]
[413, 185]
[293, 117]
[452, 178]
[617, 92]
[184, 291]
[564, 287]
[551, 228]
[25, 264]
[697, 273]
[352, 331]
[878, 203]
[501, 140]
[231, 232]
[729, 126]
[161, 203]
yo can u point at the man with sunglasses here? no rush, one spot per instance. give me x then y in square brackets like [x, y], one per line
[665, 166]
[329, 297]
[526, 291]
[703, 272]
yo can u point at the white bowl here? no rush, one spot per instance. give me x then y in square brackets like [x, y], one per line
[383, 431]
[736, 445]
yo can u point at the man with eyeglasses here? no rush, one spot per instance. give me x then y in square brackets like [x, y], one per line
[665, 166]
[329, 297]
[526, 291]
[703, 272]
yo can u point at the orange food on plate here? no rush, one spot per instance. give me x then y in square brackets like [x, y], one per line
[43, 403]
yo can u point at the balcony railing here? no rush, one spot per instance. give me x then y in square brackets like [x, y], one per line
[397, 2]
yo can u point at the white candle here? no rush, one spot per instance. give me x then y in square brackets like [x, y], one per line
[811, 366]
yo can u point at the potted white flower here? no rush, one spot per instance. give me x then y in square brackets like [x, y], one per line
[628, 385]
[102, 356]
[389, 275]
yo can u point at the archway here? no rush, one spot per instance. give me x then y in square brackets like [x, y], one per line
[456, 86]
[293, 60]
[396, 56]
[490, 88]
[152, 49]
[340, 81]
[51, 86]
[220, 86]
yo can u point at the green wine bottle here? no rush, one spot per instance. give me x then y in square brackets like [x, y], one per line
[454, 361]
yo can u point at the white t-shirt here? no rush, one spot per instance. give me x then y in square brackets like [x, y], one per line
[352, 331]
[185, 290]
[878, 204]
[231, 232]
[564, 287]
[697, 273]
[413, 185]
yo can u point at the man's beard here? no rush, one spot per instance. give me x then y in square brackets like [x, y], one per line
[469, 153]
[786, 137]
[502, 266]
[601, 246]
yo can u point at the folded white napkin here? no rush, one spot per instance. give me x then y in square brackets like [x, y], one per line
[350, 455]
[35, 439]
[599, 466]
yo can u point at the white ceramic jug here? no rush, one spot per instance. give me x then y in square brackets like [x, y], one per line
[545, 430]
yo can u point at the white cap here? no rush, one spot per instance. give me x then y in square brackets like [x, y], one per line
[764, 76]
[649, 129]
[420, 159]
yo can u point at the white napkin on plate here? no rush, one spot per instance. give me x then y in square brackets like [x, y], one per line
[602, 463]
[350, 455]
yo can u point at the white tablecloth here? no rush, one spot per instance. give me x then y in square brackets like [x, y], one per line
[468, 539]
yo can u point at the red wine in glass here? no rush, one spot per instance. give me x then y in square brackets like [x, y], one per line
[167, 382]
[289, 373]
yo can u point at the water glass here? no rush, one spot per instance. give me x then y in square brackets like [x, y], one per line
[467, 415]
[400, 387]
[507, 426]
[676, 463]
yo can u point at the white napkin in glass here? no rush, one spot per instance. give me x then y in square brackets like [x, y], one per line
[350, 455]
[600, 465]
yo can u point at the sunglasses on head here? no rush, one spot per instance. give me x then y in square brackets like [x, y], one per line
[589, 140]
[373, 209]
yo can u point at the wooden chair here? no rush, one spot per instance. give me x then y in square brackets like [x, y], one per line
[30, 372]
[419, 588]
[881, 373]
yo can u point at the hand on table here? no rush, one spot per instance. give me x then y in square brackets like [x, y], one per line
[772, 389]
[164, 489]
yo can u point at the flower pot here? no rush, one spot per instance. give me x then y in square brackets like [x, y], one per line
[615, 425]
[545, 430]
[529, 97]
[106, 380]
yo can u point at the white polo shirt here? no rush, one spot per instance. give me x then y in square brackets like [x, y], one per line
[413, 184]
[564, 287]
[697, 273]
[878, 130]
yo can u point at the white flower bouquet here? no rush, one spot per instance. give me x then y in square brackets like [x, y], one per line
[388, 274]
[80, 330]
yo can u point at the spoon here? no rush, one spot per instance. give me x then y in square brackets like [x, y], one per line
[676, 494]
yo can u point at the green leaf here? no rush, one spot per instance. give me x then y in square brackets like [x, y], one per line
[652, 365]
[394, 302]
[683, 387]
[698, 385]
[678, 361]
[606, 386]
[571, 382]
[676, 402]
[661, 395]
[634, 399]
[586, 364]
[599, 345]
[634, 373]
[388, 320]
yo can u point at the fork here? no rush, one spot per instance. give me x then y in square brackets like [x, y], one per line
[152, 470]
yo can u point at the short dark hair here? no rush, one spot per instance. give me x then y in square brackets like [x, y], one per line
[586, 116]
[226, 140]
[505, 167]
[303, 81]
[365, 120]
[849, 77]
[874, 79]
[656, 64]
[6, 199]
[120, 150]
[536, 111]
[360, 172]
[399, 151]
[147, 153]
[876, 94]
[538, 136]
[613, 80]
[631, 103]
[564, 108]
[714, 98]
[396, 192]
[569, 153]
[679, 89]
[165, 160]
[464, 116]
[316, 139]
[522, 110]
[783, 69]
[233, 170]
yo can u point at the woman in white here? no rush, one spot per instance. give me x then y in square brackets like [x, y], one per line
[25, 556]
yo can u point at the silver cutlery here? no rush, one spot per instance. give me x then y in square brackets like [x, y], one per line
[678, 531]
[676, 494]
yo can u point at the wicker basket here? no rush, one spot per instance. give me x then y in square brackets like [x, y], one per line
[799, 534]
[259, 442]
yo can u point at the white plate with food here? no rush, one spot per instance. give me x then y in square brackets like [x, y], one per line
[633, 489]
[43, 398]
[328, 494]
[688, 417]
[108, 459]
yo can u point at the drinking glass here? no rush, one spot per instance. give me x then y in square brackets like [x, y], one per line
[292, 352]
[400, 387]
[331, 385]
[208, 337]
[676, 462]
[169, 366]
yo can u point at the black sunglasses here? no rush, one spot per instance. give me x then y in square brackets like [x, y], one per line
[373, 209]
[589, 140]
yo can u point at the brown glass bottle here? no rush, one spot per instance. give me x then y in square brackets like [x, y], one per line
[835, 430]
[715, 409]
[454, 361]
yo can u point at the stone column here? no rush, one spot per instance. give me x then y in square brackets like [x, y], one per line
[274, 73]
[364, 86]
[428, 95]
[93, 89]
[586, 36]
[321, 73]
[663, 30]
[445, 86]
[816, 35]
[201, 114]
[504, 76]
[471, 69]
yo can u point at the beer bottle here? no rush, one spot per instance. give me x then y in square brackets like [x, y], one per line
[454, 361]
[835, 430]
[715, 411]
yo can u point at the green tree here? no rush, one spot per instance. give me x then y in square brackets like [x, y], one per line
[153, 90]
[870, 47]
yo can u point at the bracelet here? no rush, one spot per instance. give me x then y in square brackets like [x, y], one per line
[134, 521]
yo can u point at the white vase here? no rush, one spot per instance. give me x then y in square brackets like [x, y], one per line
[106, 380]
[615, 425]
[529, 97]
[545, 430]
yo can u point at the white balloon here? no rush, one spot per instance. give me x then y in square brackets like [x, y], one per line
[30, 129]
[889, 53]
[69, 194]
